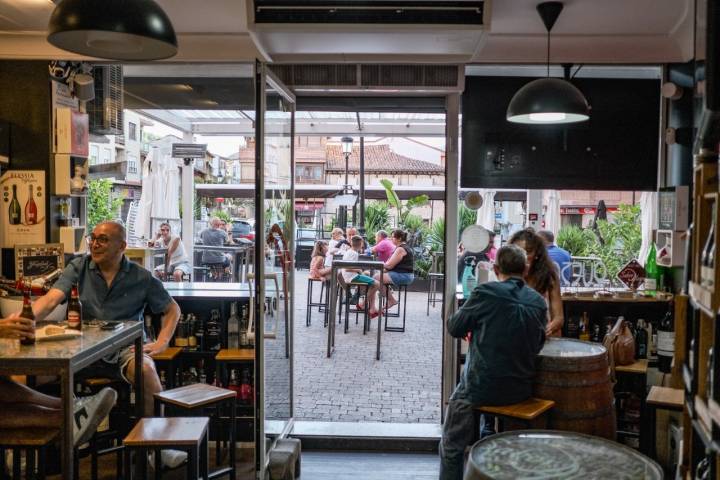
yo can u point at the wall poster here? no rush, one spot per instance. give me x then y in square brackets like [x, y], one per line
[22, 214]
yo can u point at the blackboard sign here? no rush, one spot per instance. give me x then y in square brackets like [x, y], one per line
[32, 261]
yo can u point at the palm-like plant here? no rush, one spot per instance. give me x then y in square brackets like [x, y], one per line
[403, 210]
[377, 217]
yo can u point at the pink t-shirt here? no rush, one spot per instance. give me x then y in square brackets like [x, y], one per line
[384, 249]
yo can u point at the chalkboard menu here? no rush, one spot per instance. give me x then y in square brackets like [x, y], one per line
[32, 261]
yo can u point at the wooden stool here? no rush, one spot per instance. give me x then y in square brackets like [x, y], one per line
[34, 441]
[662, 398]
[530, 413]
[168, 360]
[200, 396]
[178, 433]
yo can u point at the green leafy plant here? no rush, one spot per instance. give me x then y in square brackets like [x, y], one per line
[575, 240]
[422, 266]
[222, 215]
[403, 209]
[466, 217]
[436, 235]
[100, 204]
[377, 217]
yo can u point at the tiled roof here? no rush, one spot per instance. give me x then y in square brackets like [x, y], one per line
[378, 158]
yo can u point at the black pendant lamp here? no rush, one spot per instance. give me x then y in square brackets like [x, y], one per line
[548, 100]
[113, 29]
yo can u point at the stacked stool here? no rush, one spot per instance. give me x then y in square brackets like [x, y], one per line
[189, 434]
[199, 396]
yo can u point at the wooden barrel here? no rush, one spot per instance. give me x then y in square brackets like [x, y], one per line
[576, 376]
[544, 454]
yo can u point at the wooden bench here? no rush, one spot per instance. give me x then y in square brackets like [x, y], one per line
[179, 433]
[34, 441]
[530, 413]
[190, 398]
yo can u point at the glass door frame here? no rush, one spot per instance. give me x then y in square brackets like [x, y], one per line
[263, 78]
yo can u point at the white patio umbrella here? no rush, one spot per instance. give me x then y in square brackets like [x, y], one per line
[648, 220]
[166, 189]
[552, 213]
[486, 213]
[142, 220]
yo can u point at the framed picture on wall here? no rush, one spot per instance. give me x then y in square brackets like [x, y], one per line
[32, 261]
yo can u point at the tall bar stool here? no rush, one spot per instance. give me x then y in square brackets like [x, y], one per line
[401, 291]
[321, 304]
[345, 300]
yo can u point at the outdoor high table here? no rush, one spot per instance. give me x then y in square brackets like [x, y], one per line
[362, 264]
[239, 253]
[64, 358]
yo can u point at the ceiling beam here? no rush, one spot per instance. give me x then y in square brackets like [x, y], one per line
[316, 127]
[167, 118]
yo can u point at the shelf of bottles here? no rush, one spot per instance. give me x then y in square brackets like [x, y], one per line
[205, 329]
[701, 372]
[654, 340]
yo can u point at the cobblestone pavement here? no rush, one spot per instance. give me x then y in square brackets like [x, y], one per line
[403, 386]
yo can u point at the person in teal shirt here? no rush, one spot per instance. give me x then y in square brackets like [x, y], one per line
[507, 321]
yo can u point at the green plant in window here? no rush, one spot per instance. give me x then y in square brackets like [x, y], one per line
[101, 206]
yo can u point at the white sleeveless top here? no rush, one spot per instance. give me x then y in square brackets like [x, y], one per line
[179, 255]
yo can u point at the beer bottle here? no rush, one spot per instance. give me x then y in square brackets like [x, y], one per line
[27, 313]
[74, 310]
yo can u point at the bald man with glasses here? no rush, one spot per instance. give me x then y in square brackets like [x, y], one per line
[113, 288]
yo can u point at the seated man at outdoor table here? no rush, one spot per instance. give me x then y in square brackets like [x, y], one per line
[23, 407]
[383, 247]
[178, 264]
[215, 236]
[114, 288]
[506, 320]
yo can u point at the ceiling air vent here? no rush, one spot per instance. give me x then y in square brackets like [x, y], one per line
[106, 110]
[382, 12]
[370, 77]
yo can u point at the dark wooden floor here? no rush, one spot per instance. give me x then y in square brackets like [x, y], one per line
[327, 465]
[320, 465]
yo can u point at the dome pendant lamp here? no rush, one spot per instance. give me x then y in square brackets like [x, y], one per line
[130, 30]
[548, 100]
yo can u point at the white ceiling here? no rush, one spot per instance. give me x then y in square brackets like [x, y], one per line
[588, 31]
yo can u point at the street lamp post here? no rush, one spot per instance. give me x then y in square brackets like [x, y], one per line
[347, 145]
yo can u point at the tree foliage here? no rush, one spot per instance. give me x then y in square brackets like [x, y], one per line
[621, 239]
[100, 203]
[377, 217]
[403, 209]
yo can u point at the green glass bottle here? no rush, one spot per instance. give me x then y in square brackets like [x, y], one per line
[14, 210]
[652, 272]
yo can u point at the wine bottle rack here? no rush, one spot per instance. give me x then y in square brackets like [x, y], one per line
[700, 343]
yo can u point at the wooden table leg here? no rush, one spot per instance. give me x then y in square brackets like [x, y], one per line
[66, 439]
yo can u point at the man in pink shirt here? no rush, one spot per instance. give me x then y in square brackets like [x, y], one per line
[383, 246]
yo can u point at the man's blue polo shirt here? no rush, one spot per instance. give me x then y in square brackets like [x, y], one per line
[561, 257]
[132, 288]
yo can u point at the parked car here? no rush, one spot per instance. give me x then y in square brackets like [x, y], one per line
[243, 229]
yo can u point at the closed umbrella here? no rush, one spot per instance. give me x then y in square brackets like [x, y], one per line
[166, 190]
[648, 220]
[143, 225]
[552, 213]
[486, 212]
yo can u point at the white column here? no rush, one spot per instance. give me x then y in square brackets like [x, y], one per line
[187, 190]
[534, 209]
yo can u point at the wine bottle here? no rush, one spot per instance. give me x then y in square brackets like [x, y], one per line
[233, 327]
[666, 342]
[706, 275]
[213, 332]
[181, 334]
[585, 328]
[246, 390]
[572, 327]
[234, 382]
[641, 340]
[652, 274]
[74, 310]
[596, 333]
[27, 312]
[199, 333]
[14, 209]
[30, 208]
[192, 332]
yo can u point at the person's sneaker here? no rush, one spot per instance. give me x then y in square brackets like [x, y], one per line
[89, 412]
[173, 458]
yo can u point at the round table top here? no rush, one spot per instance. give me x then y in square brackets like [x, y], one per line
[541, 454]
[570, 348]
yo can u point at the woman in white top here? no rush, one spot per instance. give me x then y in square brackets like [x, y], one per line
[178, 262]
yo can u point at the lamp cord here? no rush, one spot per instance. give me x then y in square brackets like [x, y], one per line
[548, 53]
